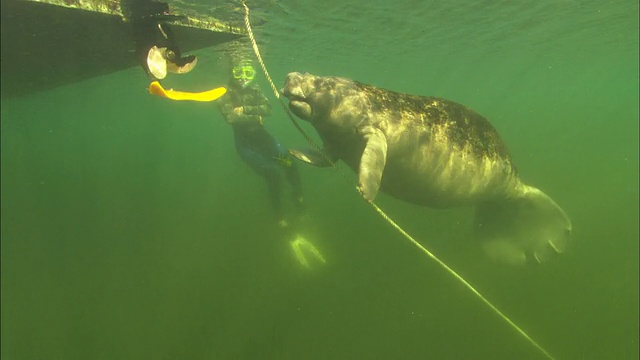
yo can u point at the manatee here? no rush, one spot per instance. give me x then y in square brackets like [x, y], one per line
[432, 152]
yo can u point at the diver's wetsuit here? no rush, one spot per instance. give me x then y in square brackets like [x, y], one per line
[256, 146]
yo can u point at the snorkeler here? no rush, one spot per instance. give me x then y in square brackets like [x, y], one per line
[244, 107]
[157, 50]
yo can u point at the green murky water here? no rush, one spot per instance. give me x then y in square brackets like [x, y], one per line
[132, 230]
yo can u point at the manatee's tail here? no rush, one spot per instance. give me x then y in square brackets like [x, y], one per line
[528, 226]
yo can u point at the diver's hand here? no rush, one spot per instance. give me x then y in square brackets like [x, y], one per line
[241, 118]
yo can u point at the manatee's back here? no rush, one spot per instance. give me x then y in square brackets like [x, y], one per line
[461, 126]
[440, 152]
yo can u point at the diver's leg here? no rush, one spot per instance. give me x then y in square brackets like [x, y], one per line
[274, 188]
[264, 167]
[293, 177]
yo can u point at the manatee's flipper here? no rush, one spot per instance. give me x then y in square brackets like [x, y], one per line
[530, 226]
[372, 163]
[313, 157]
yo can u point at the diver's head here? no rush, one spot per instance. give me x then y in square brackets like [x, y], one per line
[243, 73]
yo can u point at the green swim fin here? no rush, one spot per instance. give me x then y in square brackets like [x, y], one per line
[304, 251]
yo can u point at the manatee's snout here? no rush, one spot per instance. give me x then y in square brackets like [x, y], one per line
[293, 86]
[293, 90]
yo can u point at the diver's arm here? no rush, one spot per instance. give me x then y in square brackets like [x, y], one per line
[236, 115]
[260, 110]
[259, 105]
[225, 107]
[243, 119]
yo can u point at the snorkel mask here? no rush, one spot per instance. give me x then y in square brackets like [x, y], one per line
[244, 73]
